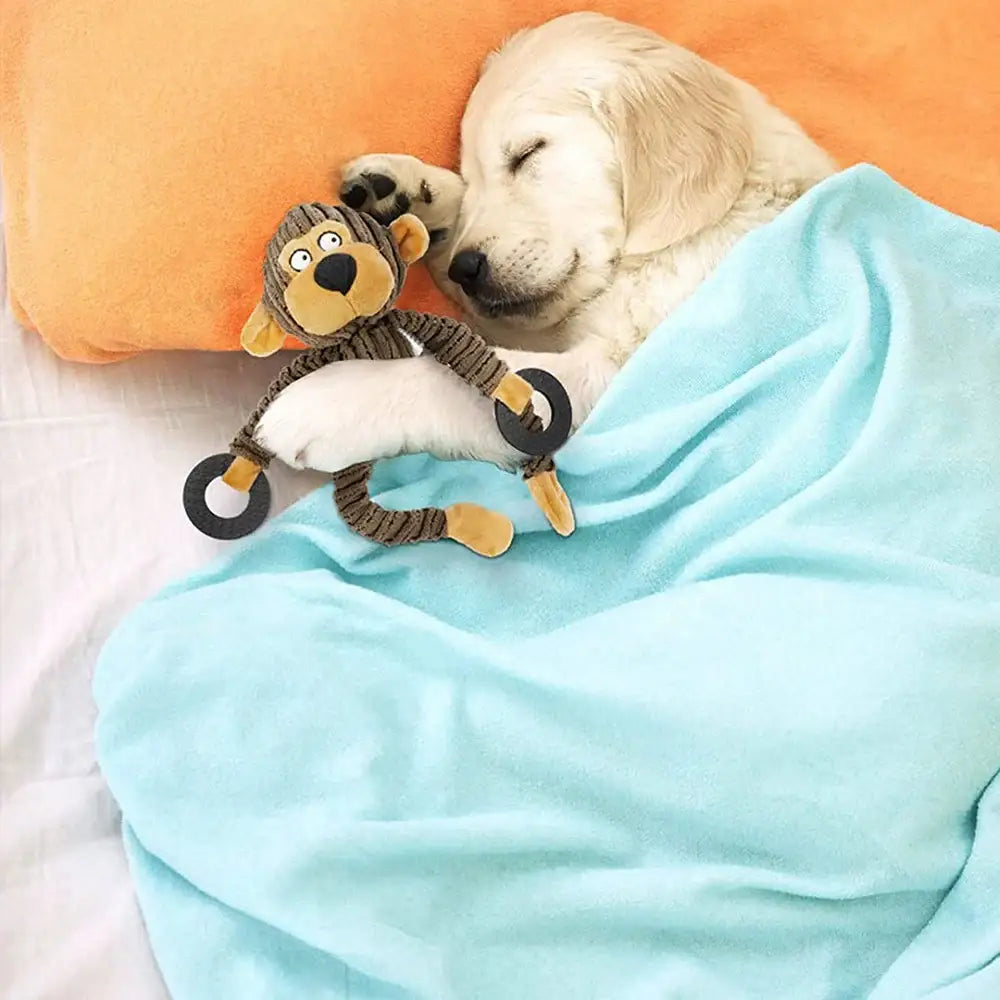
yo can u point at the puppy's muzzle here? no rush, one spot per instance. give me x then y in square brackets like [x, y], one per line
[336, 273]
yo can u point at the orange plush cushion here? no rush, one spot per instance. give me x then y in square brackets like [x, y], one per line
[148, 148]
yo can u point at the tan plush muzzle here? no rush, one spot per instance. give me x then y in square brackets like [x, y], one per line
[332, 281]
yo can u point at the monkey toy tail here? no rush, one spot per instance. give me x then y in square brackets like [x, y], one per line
[483, 531]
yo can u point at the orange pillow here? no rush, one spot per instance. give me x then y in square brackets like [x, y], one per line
[149, 148]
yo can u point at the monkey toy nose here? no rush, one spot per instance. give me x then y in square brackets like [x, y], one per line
[336, 273]
[469, 269]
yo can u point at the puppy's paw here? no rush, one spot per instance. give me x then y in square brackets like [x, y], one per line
[388, 185]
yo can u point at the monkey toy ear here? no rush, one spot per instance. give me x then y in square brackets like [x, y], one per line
[411, 236]
[261, 335]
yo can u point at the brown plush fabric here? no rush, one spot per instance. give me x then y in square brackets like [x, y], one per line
[455, 345]
[381, 336]
[390, 527]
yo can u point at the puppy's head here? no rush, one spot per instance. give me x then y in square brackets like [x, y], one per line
[325, 267]
[585, 141]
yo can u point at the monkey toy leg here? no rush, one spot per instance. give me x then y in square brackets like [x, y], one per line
[485, 532]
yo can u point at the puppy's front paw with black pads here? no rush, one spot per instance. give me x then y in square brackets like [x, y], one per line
[377, 194]
[388, 185]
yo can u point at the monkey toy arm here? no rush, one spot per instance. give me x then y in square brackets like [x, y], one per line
[468, 355]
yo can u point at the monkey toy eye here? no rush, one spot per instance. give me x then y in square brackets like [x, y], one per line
[300, 260]
[328, 242]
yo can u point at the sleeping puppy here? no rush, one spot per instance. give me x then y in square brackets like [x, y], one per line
[605, 173]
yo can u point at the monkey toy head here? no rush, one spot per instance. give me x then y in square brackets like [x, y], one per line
[325, 268]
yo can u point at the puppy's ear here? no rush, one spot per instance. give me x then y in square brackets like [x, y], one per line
[411, 236]
[261, 335]
[683, 143]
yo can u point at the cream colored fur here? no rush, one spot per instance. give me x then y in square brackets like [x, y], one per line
[655, 163]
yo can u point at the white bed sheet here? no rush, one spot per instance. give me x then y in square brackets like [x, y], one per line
[92, 459]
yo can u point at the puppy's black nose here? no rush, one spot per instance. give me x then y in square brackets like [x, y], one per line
[469, 269]
[336, 273]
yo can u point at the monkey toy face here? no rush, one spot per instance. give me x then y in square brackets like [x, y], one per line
[331, 279]
[325, 267]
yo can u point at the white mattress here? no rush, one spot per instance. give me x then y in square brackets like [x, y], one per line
[92, 460]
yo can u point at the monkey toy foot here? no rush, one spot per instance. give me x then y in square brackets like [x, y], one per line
[552, 500]
[483, 531]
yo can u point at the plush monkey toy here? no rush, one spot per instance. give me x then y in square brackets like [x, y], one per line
[331, 276]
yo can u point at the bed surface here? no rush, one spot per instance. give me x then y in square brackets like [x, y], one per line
[83, 539]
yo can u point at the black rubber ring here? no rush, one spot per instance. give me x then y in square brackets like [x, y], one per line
[224, 528]
[551, 438]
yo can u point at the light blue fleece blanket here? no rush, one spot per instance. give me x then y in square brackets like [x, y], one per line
[735, 738]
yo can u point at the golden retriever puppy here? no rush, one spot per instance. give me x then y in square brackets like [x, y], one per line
[605, 173]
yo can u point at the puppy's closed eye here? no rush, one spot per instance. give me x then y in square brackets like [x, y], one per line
[519, 159]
